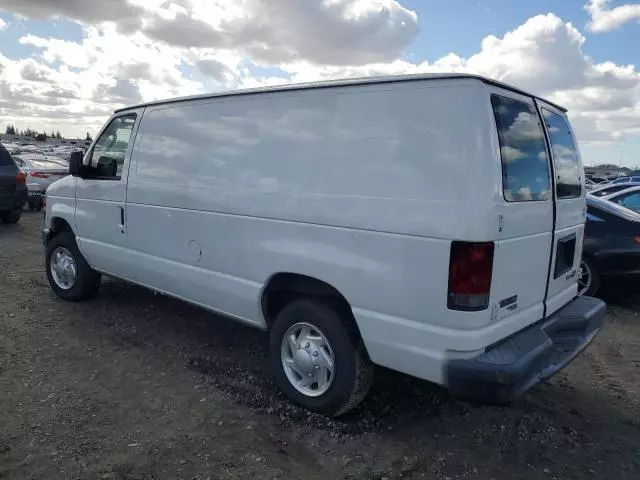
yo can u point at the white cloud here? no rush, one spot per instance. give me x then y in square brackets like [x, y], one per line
[511, 154]
[88, 11]
[524, 129]
[341, 32]
[543, 55]
[525, 194]
[604, 19]
[148, 49]
[63, 51]
[3, 24]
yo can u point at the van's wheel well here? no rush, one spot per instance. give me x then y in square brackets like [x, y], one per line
[58, 226]
[284, 288]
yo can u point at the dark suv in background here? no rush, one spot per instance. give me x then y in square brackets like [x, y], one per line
[13, 188]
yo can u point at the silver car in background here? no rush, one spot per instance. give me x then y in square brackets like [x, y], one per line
[41, 171]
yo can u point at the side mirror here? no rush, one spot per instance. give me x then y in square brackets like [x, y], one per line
[75, 164]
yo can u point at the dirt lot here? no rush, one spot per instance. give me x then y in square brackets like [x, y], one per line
[136, 386]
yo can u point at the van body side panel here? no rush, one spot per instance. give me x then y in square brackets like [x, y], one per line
[361, 187]
[398, 158]
[228, 272]
[345, 186]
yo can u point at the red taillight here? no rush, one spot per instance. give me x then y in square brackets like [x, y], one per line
[21, 178]
[470, 269]
[637, 239]
[40, 174]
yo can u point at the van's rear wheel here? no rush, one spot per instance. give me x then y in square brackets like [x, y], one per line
[69, 274]
[318, 362]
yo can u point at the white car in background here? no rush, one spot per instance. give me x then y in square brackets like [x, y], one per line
[41, 171]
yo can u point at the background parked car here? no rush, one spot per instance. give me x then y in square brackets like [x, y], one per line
[590, 184]
[13, 189]
[611, 188]
[635, 179]
[40, 171]
[628, 198]
[611, 245]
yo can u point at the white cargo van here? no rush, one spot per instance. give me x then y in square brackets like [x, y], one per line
[431, 224]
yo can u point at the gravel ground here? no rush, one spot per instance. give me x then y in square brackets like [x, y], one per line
[135, 386]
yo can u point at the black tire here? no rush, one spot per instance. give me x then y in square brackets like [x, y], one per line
[12, 216]
[87, 279]
[595, 281]
[353, 369]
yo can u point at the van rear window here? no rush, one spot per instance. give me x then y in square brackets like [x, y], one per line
[525, 166]
[565, 156]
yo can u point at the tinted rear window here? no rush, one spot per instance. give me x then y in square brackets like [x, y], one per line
[5, 157]
[565, 155]
[525, 168]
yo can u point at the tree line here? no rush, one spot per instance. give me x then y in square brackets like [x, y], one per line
[11, 130]
[40, 136]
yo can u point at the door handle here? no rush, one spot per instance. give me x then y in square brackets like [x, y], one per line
[121, 219]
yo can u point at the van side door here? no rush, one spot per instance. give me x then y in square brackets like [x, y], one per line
[570, 207]
[100, 216]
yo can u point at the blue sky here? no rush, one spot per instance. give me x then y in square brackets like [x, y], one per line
[95, 58]
[460, 29]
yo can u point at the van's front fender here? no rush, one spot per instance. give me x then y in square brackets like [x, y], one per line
[61, 206]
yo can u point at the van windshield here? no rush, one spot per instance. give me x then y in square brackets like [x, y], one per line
[525, 167]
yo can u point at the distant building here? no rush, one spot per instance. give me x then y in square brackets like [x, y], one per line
[606, 171]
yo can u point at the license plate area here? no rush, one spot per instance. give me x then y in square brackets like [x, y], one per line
[565, 254]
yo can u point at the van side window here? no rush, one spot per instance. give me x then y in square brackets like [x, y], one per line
[108, 153]
[525, 167]
[565, 156]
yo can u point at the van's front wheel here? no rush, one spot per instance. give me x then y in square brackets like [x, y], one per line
[317, 361]
[69, 274]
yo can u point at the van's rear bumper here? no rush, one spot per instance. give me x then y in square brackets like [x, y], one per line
[510, 368]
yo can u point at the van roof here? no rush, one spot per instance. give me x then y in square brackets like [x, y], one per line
[344, 82]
